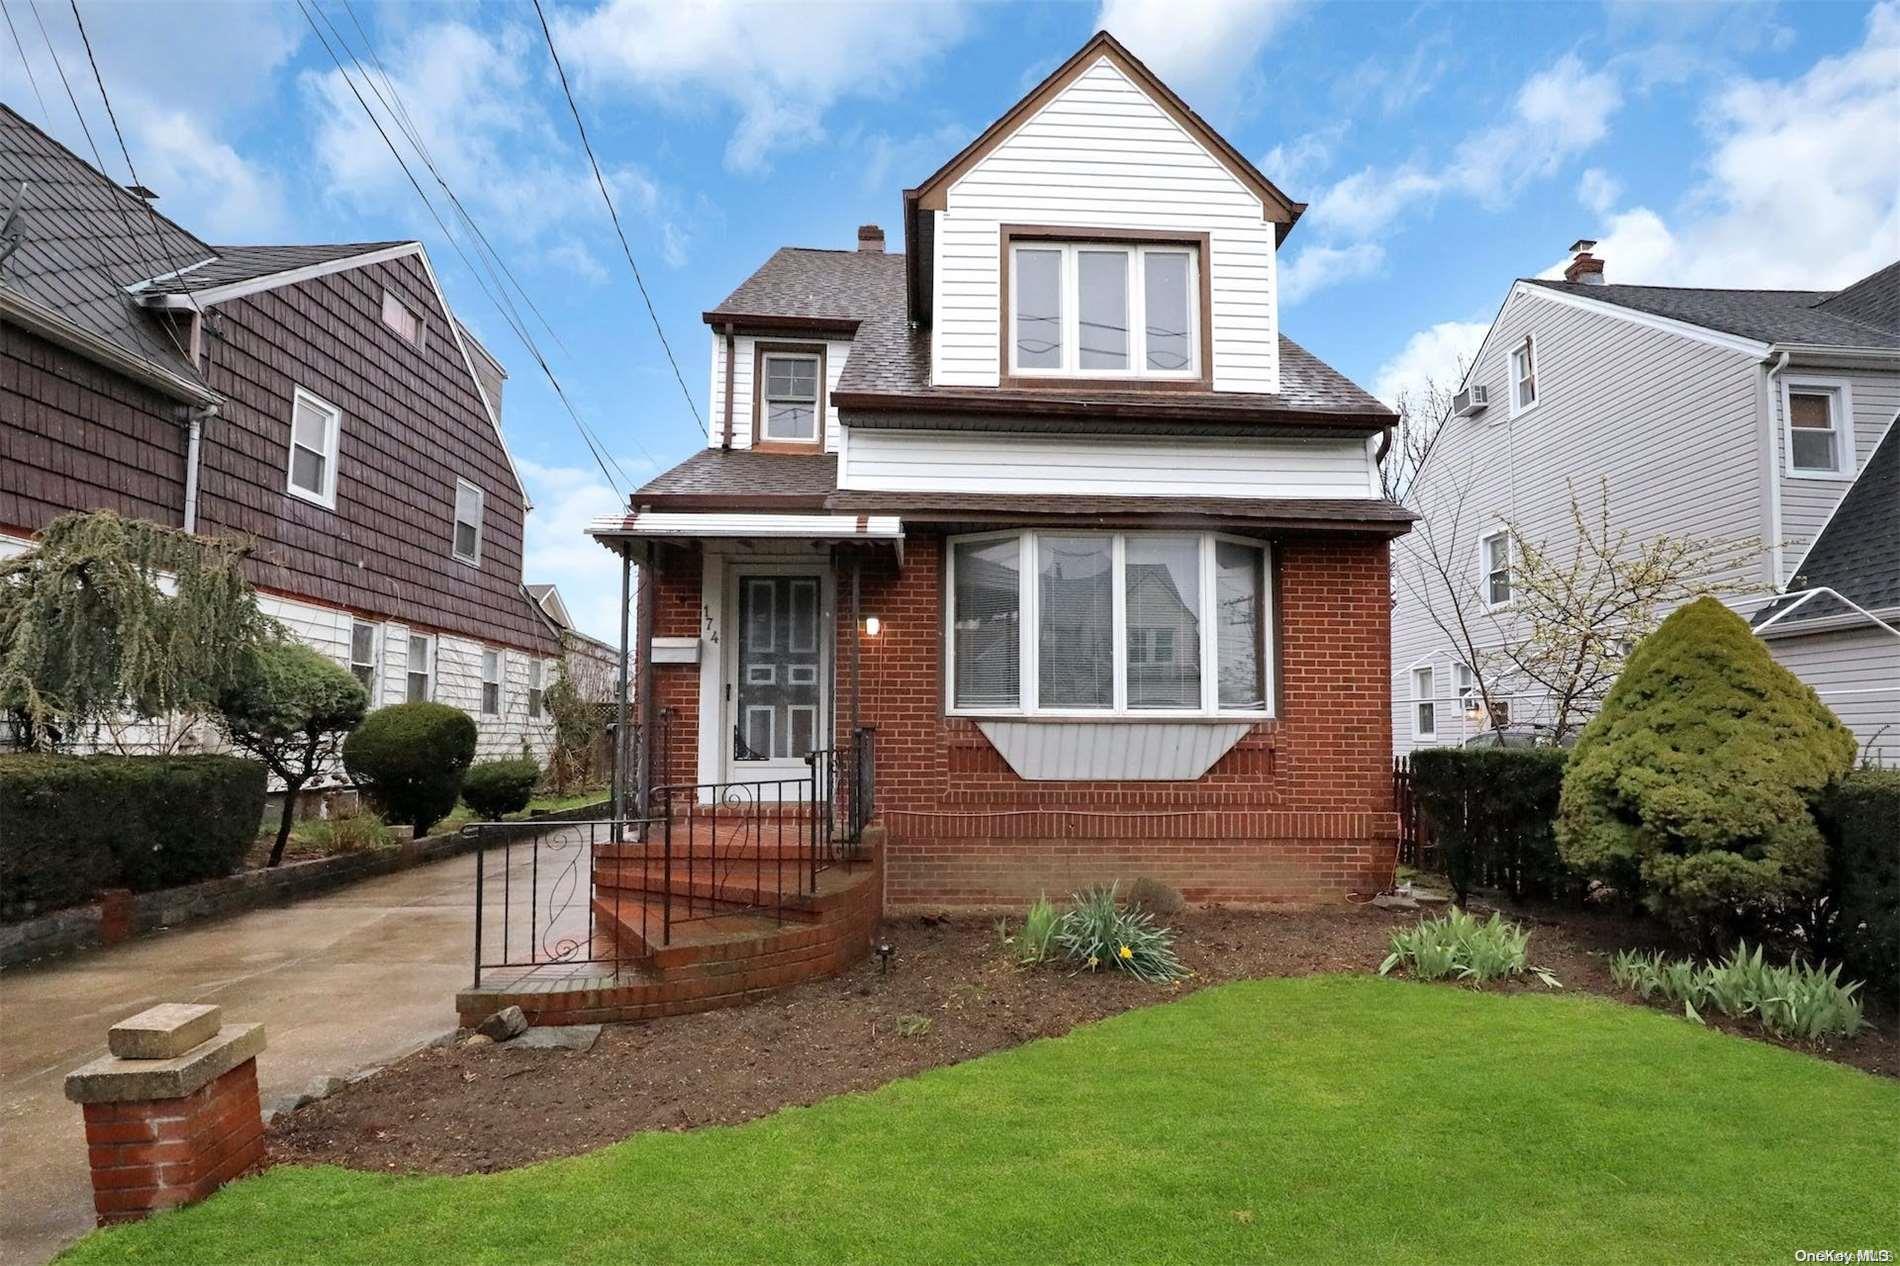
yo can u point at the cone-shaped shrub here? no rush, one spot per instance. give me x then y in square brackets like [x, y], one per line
[1698, 778]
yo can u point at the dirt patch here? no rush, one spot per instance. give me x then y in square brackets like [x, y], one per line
[458, 1109]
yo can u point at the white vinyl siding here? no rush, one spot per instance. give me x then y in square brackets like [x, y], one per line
[1102, 154]
[1856, 671]
[1870, 400]
[315, 431]
[744, 356]
[966, 461]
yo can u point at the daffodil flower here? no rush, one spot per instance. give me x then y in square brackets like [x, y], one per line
[1127, 953]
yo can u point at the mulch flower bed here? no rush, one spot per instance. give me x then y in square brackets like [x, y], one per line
[466, 1109]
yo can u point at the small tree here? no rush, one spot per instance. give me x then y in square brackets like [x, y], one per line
[1698, 778]
[577, 702]
[105, 616]
[291, 708]
[412, 757]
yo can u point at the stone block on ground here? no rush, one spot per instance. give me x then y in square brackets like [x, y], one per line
[504, 1024]
[563, 1037]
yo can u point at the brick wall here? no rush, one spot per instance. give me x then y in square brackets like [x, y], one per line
[1299, 810]
[158, 1154]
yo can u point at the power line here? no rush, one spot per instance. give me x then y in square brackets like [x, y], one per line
[31, 78]
[512, 319]
[600, 181]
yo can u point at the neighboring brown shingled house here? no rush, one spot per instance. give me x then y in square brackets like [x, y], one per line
[320, 400]
[1049, 511]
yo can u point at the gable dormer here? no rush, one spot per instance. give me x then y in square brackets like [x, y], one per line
[1099, 236]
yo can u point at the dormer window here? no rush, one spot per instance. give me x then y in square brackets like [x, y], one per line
[1123, 308]
[1819, 444]
[791, 406]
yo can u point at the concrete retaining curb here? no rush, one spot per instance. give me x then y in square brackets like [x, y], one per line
[85, 927]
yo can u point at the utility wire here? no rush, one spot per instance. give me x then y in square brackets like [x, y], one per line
[599, 180]
[513, 319]
[31, 78]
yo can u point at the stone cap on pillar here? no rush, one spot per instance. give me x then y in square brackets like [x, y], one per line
[166, 1052]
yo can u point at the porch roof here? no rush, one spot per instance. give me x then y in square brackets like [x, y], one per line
[634, 531]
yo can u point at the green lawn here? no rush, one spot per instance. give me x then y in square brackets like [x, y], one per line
[1324, 1119]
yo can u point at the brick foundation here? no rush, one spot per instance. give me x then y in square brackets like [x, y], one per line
[1300, 810]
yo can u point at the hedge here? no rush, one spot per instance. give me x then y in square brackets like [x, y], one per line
[1861, 819]
[496, 788]
[411, 759]
[77, 824]
[1492, 809]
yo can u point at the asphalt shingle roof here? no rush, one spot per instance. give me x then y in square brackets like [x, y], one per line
[1866, 314]
[1858, 552]
[743, 472]
[244, 263]
[888, 358]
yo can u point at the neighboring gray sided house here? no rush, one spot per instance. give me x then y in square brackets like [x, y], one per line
[1762, 416]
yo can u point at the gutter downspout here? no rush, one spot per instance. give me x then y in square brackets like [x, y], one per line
[725, 437]
[1774, 472]
[194, 442]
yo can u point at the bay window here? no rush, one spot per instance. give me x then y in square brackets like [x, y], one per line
[1105, 309]
[1108, 624]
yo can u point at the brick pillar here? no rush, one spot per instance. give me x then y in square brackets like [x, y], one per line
[172, 1113]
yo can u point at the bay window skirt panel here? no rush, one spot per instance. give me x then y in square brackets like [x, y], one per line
[1112, 750]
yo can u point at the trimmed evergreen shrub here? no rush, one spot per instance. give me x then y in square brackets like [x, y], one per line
[1492, 810]
[1862, 822]
[497, 788]
[1696, 782]
[76, 824]
[410, 759]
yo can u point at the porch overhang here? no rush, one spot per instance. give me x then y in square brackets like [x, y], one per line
[633, 534]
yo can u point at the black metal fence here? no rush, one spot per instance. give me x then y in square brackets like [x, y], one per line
[599, 896]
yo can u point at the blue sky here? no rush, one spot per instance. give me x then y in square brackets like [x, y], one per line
[1445, 149]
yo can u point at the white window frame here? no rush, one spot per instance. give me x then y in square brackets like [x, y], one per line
[1424, 695]
[537, 687]
[1484, 569]
[1526, 348]
[817, 401]
[333, 443]
[1464, 681]
[1070, 281]
[421, 339]
[1028, 647]
[428, 670]
[498, 681]
[455, 515]
[1840, 394]
[375, 661]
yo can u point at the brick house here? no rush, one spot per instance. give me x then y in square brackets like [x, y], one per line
[320, 400]
[1048, 515]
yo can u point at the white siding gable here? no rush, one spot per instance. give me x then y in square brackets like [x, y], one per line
[1102, 153]
[744, 356]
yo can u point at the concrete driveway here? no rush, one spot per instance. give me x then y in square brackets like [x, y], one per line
[355, 977]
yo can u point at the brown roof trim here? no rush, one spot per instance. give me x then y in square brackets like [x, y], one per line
[1163, 408]
[717, 501]
[930, 194]
[768, 323]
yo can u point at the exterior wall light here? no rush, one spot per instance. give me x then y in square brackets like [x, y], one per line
[872, 626]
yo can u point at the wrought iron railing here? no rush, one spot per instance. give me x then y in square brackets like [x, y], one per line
[598, 897]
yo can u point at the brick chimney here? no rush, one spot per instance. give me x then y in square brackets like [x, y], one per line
[871, 239]
[1585, 267]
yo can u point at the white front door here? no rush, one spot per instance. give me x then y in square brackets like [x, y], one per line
[777, 705]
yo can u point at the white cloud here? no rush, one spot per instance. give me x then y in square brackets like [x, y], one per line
[468, 95]
[1299, 163]
[1316, 267]
[557, 551]
[781, 67]
[1203, 49]
[1558, 113]
[1433, 357]
[1800, 191]
[1365, 202]
[1598, 190]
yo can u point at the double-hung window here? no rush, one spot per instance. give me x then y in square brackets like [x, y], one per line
[314, 428]
[399, 317]
[1523, 376]
[1108, 623]
[536, 668]
[1424, 705]
[1466, 682]
[1105, 310]
[1820, 439]
[468, 522]
[363, 656]
[789, 403]
[1494, 564]
[491, 683]
[421, 682]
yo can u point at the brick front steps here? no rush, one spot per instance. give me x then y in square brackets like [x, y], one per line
[729, 953]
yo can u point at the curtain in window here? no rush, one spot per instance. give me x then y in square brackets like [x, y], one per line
[1240, 586]
[1163, 585]
[988, 613]
[1075, 616]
